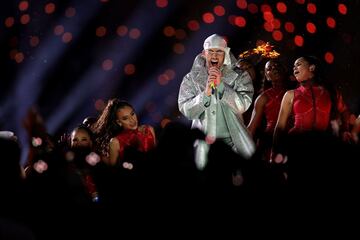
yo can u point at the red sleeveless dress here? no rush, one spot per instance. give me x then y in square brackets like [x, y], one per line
[272, 107]
[140, 139]
[311, 109]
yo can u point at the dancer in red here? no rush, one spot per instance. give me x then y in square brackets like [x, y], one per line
[312, 104]
[118, 129]
[267, 107]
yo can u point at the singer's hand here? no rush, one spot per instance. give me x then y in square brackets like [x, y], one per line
[215, 75]
[213, 80]
[209, 84]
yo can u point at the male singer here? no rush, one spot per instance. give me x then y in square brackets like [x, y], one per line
[214, 95]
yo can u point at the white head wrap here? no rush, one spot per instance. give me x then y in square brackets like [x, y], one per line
[216, 41]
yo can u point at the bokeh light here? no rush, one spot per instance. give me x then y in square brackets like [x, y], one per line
[67, 37]
[179, 48]
[242, 4]
[268, 26]
[23, 5]
[310, 27]
[289, 27]
[265, 8]
[19, 57]
[162, 3]
[99, 105]
[180, 34]
[107, 64]
[193, 25]
[169, 31]
[25, 19]
[311, 8]
[50, 8]
[129, 69]
[299, 41]
[219, 10]
[276, 23]
[277, 35]
[100, 31]
[134, 33]
[240, 21]
[300, 1]
[34, 41]
[268, 16]
[330, 22]
[70, 12]
[329, 57]
[281, 7]
[342, 9]
[59, 30]
[121, 30]
[208, 18]
[9, 22]
[253, 8]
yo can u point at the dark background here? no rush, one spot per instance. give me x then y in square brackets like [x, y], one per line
[68, 79]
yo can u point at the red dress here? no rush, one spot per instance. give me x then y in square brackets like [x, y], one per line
[140, 139]
[271, 111]
[272, 107]
[311, 108]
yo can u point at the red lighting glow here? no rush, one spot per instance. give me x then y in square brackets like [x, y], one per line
[107, 64]
[242, 4]
[99, 105]
[162, 3]
[100, 31]
[240, 21]
[253, 8]
[311, 8]
[34, 41]
[208, 18]
[25, 19]
[219, 10]
[9, 22]
[19, 57]
[67, 37]
[23, 5]
[310, 27]
[70, 12]
[49, 8]
[134, 33]
[331, 22]
[281, 7]
[342, 8]
[299, 41]
[268, 16]
[276, 23]
[180, 34]
[121, 30]
[163, 79]
[329, 57]
[265, 8]
[169, 31]
[289, 27]
[268, 27]
[277, 35]
[129, 69]
[58, 30]
[179, 48]
[193, 25]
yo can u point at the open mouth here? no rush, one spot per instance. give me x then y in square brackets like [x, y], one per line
[214, 63]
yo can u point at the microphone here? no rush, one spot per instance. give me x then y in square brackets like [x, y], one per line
[213, 87]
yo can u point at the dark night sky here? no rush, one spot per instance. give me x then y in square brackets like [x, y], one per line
[67, 81]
